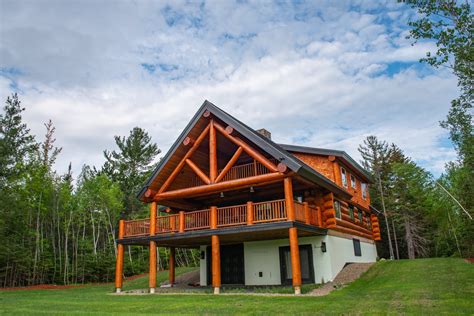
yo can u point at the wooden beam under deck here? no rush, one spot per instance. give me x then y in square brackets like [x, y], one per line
[228, 235]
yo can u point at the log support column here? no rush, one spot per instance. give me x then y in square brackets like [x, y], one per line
[216, 253]
[119, 259]
[295, 260]
[216, 264]
[171, 266]
[293, 234]
[152, 275]
[249, 213]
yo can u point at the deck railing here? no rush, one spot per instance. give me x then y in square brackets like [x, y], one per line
[237, 215]
[232, 215]
[300, 212]
[196, 220]
[166, 224]
[238, 172]
[271, 211]
[137, 227]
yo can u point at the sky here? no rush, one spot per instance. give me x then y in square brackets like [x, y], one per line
[318, 73]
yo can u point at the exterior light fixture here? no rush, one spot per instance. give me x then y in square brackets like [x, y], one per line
[252, 190]
[323, 246]
[222, 194]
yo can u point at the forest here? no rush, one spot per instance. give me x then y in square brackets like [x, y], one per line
[59, 228]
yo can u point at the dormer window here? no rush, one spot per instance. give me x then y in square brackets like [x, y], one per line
[343, 177]
[353, 182]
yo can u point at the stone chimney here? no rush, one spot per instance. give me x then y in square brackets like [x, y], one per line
[265, 133]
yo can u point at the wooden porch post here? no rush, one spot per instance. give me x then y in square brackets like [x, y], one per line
[152, 275]
[119, 259]
[216, 252]
[181, 221]
[216, 264]
[293, 234]
[295, 260]
[171, 266]
[249, 213]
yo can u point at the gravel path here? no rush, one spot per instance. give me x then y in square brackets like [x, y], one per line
[349, 274]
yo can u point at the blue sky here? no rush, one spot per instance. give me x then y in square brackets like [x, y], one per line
[316, 73]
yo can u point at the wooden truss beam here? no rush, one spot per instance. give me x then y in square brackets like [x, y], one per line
[212, 153]
[249, 150]
[230, 164]
[182, 163]
[198, 171]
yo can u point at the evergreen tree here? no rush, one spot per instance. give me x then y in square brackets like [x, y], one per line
[378, 157]
[16, 143]
[131, 165]
[451, 24]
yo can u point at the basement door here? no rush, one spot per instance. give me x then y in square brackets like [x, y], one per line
[306, 261]
[232, 264]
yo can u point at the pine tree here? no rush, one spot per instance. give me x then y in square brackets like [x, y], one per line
[131, 165]
[16, 143]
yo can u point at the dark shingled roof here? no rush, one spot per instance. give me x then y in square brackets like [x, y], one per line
[265, 144]
[330, 152]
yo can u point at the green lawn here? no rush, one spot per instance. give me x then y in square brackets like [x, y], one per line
[428, 286]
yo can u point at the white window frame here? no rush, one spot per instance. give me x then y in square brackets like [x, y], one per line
[363, 187]
[344, 177]
[353, 181]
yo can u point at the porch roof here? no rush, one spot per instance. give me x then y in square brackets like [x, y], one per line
[262, 142]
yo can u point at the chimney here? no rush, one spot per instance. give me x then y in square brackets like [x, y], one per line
[265, 133]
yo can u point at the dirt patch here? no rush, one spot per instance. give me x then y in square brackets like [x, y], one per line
[469, 260]
[185, 280]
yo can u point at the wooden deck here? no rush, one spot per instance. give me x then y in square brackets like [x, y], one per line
[229, 216]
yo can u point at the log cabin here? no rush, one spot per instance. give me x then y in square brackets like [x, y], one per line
[260, 213]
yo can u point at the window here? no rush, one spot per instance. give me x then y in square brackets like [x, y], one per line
[357, 251]
[353, 181]
[337, 208]
[367, 219]
[360, 216]
[364, 190]
[343, 177]
[351, 211]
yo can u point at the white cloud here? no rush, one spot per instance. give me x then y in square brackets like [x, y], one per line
[314, 76]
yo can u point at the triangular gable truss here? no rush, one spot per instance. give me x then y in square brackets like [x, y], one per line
[288, 162]
[211, 131]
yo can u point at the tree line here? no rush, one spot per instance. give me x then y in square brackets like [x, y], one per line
[55, 228]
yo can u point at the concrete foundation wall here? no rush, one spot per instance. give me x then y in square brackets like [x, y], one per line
[264, 257]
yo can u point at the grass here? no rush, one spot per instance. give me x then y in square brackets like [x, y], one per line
[305, 289]
[426, 286]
